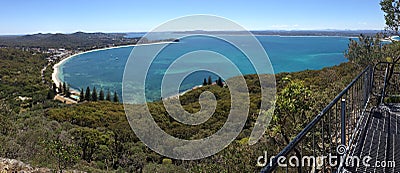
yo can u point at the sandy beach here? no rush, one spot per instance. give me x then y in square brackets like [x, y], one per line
[56, 67]
[56, 70]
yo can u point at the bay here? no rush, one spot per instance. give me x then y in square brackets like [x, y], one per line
[104, 69]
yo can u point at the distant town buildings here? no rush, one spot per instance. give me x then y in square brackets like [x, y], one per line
[58, 54]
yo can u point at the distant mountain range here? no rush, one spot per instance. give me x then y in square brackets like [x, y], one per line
[78, 40]
[84, 41]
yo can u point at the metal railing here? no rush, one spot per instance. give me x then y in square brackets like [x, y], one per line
[386, 82]
[334, 127]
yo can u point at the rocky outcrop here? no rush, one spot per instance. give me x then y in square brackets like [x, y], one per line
[12, 165]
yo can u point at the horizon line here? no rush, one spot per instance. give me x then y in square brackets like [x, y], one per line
[126, 32]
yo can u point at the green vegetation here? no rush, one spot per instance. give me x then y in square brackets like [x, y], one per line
[108, 97]
[20, 77]
[391, 8]
[101, 95]
[219, 82]
[93, 96]
[87, 94]
[205, 82]
[208, 81]
[75, 41]
[115, 98]
[81, 96]
[22, 105]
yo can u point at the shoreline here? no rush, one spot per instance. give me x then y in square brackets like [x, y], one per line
[182, 93]
[56, 67]
[390, 39]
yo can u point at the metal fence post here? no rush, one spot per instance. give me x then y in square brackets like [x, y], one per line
[343, 121]
[343, 131]
[365, 88]
[370, 79]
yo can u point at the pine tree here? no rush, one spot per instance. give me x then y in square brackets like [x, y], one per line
[205, 82]
[50, 94]
[64, 88]
[60, 87]
[101, 96]
[54, 89]
[94, 94]
[209, 80]
[67, 92]
[87, 94]
[108, 97]
[219, 82]
[116, 97]
[82, 96]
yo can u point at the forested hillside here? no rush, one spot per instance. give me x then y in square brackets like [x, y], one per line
[74, 41]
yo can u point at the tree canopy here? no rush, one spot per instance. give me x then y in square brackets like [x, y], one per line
[391, 8]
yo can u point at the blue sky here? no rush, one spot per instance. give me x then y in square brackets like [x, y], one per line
[33, 16]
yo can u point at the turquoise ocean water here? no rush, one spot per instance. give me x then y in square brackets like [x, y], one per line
[104, 68]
